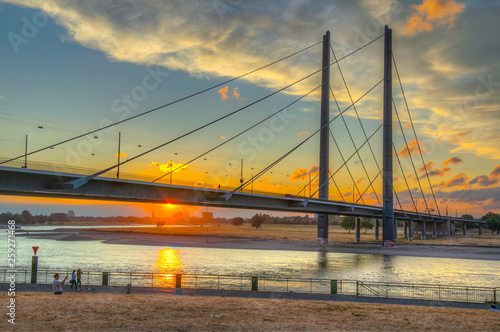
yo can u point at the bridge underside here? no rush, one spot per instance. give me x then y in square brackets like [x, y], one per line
[24, 182]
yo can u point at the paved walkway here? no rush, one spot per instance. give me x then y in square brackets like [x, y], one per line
[248, 294]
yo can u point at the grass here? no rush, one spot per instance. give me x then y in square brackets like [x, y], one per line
[309, 233]
[159, 312]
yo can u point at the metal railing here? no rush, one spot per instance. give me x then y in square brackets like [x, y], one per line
[269, 284]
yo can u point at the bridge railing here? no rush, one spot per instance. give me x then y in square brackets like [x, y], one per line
[268, 284]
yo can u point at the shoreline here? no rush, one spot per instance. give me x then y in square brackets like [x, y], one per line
[256, 243]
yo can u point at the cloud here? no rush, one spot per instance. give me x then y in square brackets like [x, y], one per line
[170, 166]
[453, 161]
[459, 180]
[304, 133]
[360, 180]
[122, 155]
[223, 92]
[236, 93]
[301, 173]
[414, 148]
[487, 180]
[431, 171]
[432, 13]
[223, 138]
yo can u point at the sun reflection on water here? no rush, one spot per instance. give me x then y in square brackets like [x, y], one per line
[168, 264]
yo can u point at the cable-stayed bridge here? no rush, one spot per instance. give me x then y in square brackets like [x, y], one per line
[33, 179]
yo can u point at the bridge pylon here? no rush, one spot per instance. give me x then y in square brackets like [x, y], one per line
[324, 139]
[387, 175]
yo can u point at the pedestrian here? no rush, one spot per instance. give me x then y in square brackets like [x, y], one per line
[493, 308]
[79, 280]
[57, 285]
[73, 280]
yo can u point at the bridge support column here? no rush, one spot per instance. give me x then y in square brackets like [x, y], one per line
[464, 228]
[405, 229]
[410, 231]
[358, 229]
[387, 175]
[377, 226]
[424, 230]
[324, 157]
[452, 227]
[480, 229]
[395, 230]
[434, 230]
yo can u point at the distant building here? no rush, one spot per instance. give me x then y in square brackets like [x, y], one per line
[180, 215]
[71, 214]
[207, 216]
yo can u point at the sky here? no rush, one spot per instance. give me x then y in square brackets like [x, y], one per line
[71, 67]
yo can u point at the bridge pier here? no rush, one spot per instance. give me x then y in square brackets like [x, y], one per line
[434, 230]
[424, 230]
[410, 231]
[324, 138]
[452, 227]
[480, 229]
[377, 226]
[405, 229]
[395, 230]
[358, 229]
[464, 228]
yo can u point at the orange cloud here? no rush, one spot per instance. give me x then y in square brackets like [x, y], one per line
[170, 166]
[452, 160]
[300, 173]
[433, 171]
[413, 147]
[122, 155]
[488, 180]
[223, 137]
[303, 133]
[459, 180]
[223, 92]
[360, 180]
[432, 13]
[235, 93]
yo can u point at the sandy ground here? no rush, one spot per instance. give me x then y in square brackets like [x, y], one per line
[150, 237]
[160, 312]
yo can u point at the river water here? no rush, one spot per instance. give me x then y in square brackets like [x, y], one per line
[98, 256]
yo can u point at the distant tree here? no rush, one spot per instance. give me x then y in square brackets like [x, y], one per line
[238, 221]
[41, 219]
[348, 223]
[5, 217]
[258, 219]
[58, 217]
[28, 218]
[487, 216]
[494, 224]
[467, 216]
[366, 224]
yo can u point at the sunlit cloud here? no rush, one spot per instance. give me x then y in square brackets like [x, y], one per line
[304, 133]
[432, 13]
[359, 181]
[453, 161]
[413, 147]
[487, 180]
[122, 155]
[429, 169]
[170, 166]
[460, 180]
[236, 93]
[223, 138]
[223, 92]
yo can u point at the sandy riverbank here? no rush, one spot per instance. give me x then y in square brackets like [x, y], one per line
[159, 238]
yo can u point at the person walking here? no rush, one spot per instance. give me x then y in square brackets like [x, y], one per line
[79, 280]
[73, 280]
[57, 284]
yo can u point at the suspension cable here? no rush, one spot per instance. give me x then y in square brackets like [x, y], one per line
[415, 133]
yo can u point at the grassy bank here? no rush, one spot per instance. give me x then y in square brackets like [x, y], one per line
[309, 233]
[119, 312]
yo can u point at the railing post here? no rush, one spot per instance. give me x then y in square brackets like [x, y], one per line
[357, 288]
[333, 286]
[105, 278]
[494, 295]
[178, 281]
[255, 284]
[218, 282]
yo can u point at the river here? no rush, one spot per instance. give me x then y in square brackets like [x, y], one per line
[98, 256]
